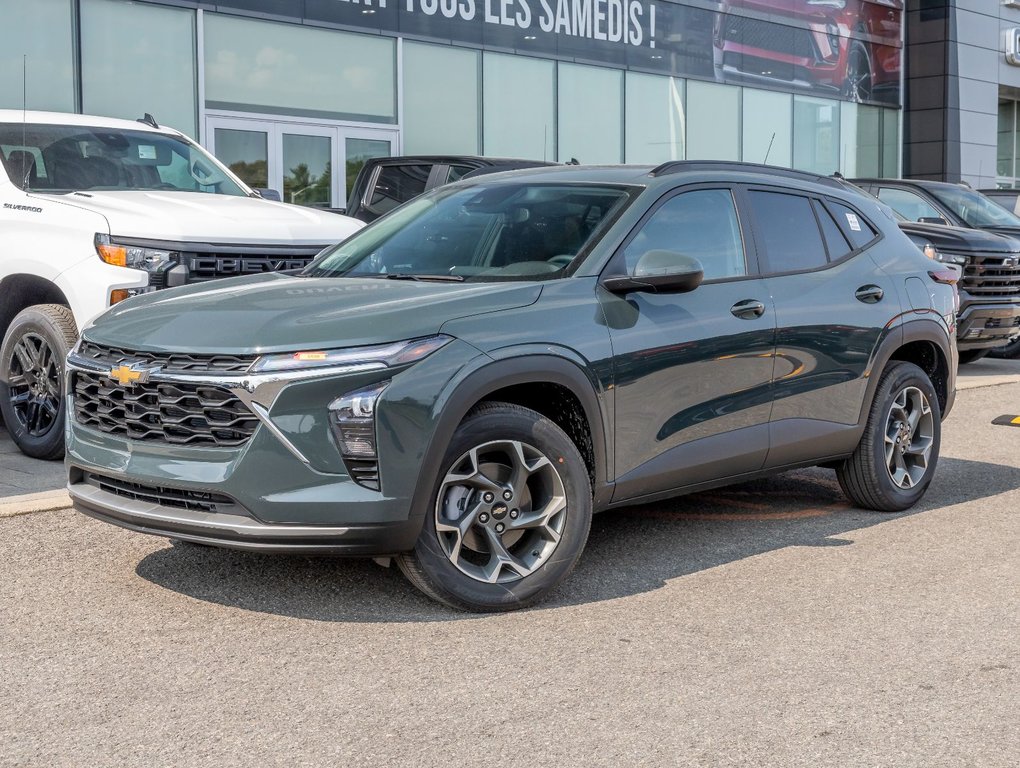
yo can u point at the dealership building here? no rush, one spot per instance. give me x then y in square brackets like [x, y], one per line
[276, 85]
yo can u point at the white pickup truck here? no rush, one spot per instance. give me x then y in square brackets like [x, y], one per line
[93, 211]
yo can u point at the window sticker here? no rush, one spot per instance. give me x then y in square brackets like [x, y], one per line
[855, 224]
[146, 152]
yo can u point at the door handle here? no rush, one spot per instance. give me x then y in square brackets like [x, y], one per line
[748, 309]
[869, 294]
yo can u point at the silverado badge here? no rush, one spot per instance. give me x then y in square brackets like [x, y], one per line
[129, 375]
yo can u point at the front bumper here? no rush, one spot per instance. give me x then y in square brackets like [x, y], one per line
[984, 326]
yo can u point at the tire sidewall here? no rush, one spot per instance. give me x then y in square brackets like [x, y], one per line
[461, 589]
[903, 376]
[50, 444]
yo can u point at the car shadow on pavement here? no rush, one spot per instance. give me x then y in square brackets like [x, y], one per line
[630, 551]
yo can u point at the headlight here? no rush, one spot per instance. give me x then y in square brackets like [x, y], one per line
[352, 419]
[136, 257]
[951, 258]
[381, 356]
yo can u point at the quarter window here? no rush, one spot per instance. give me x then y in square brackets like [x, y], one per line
[907, 204]
[702, 224]
[835, 241]
[856, 228]
[788, 231]
[396, 185]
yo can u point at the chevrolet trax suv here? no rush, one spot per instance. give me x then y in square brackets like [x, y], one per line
[460, 385]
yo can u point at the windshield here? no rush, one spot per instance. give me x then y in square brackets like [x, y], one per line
[67, 158]
[522, 231]
[974, 208]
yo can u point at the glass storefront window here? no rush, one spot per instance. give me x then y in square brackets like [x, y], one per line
[358, 152]
[890, 143]
[307, 169]
[1005, 157]
[590, 130]
[36, 39]
[139, 58]
[290, 69]
[519, 114]
[768, 121]
[869, 147]
[713, 121]
[815, 134]
[441, 95]
[246, 153]
[655, 128]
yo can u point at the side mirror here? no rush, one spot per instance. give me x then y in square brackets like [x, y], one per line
[270, 194]
[660, 271]
[933, 220]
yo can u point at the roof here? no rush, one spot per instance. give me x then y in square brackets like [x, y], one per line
[923, 183]
[68, 118]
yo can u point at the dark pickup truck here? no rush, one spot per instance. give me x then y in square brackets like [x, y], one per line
[383, 183]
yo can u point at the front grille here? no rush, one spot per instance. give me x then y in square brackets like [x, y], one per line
[768, 36]
[179, 414]
[989, 275]
[232, 261]
[198, 501]
[170, 361]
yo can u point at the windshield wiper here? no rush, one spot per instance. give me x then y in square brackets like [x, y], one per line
[439, 278]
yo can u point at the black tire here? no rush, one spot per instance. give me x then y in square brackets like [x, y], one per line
[1010, 351]
[858, 84]
[33, 408]
[973, 355]
[865, 477]
[433, 571]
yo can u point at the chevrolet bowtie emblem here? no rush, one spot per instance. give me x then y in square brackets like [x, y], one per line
[129, 375]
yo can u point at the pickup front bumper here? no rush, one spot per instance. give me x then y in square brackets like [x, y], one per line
[983, 326]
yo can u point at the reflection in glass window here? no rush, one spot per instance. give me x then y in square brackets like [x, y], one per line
[397, 184]
[713, 121]
[139, 58]
[815, 135]
[246, 153]
[441, 109]
[907, 204]
[519, 107]
[307, 170]
[769, 133]
[590, 129]
[264, 66]
[36, 35]
[788, 231]
[700, 224]
[655, 119]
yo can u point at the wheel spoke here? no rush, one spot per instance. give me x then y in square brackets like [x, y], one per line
[25, 357]
[21, 398]
[474, 476]
[522, 469]
[890, 449]
[499, 558]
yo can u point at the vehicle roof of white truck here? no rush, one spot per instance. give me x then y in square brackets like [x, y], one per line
[69, 118]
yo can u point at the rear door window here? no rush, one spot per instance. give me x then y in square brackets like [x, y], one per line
[396, 184]
[788, 231]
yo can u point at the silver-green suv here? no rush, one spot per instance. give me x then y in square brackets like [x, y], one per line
[463, 383]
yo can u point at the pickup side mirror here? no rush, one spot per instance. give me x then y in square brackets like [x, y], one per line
[269, 194]
[933, 220]
[660, 271]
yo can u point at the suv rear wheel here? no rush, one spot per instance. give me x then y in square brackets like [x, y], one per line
[32, 361]
[510, 513]
[895, 460]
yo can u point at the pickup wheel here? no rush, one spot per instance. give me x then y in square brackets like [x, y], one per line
[972, 355]
[32, 360]
[510, 513]
[895, 460]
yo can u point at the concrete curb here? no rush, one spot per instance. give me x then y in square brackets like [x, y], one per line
[988, 381]
[47, 501]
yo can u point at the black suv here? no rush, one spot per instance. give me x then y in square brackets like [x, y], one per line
[383, 183]
[978, 236]
[460, 384]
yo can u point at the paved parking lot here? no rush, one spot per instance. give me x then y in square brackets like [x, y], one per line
[768, 625]
[20, 475]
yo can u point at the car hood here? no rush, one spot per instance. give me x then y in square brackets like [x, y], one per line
[276, 312]
[206, 218]
[962, 240]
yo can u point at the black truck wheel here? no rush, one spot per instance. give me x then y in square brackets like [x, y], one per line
[510, 513]
[972, 355]
[32, 360]
[1010, 351]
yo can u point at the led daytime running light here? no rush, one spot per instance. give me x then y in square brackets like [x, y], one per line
[383, 355]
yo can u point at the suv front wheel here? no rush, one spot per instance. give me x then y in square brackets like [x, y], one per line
[31, 378]
[510, 513]
[895, 460]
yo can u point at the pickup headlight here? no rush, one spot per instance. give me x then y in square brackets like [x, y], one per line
[951, 258]
[381, 356]
[134, 256]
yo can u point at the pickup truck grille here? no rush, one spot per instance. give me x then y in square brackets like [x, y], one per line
[213, 262]
[169, 361]
[178, 414]
[993, 275]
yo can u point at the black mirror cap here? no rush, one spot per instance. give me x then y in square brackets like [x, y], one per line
[269, 194]
[660, 271]
[933, 220]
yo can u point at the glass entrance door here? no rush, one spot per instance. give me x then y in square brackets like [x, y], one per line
[297, 159]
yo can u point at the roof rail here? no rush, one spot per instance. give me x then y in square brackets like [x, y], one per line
[679, 166]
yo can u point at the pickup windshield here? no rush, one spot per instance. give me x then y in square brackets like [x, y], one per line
[68, 158]
[484, 232]
[974, 208]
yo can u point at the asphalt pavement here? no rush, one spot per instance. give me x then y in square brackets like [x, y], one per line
[767, 624]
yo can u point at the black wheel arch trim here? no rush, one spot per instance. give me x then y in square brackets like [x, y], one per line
[507, 368]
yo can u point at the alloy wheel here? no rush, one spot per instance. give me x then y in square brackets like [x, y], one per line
[909, 436]
[500, 511]
[858, 78]
[33, 381]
